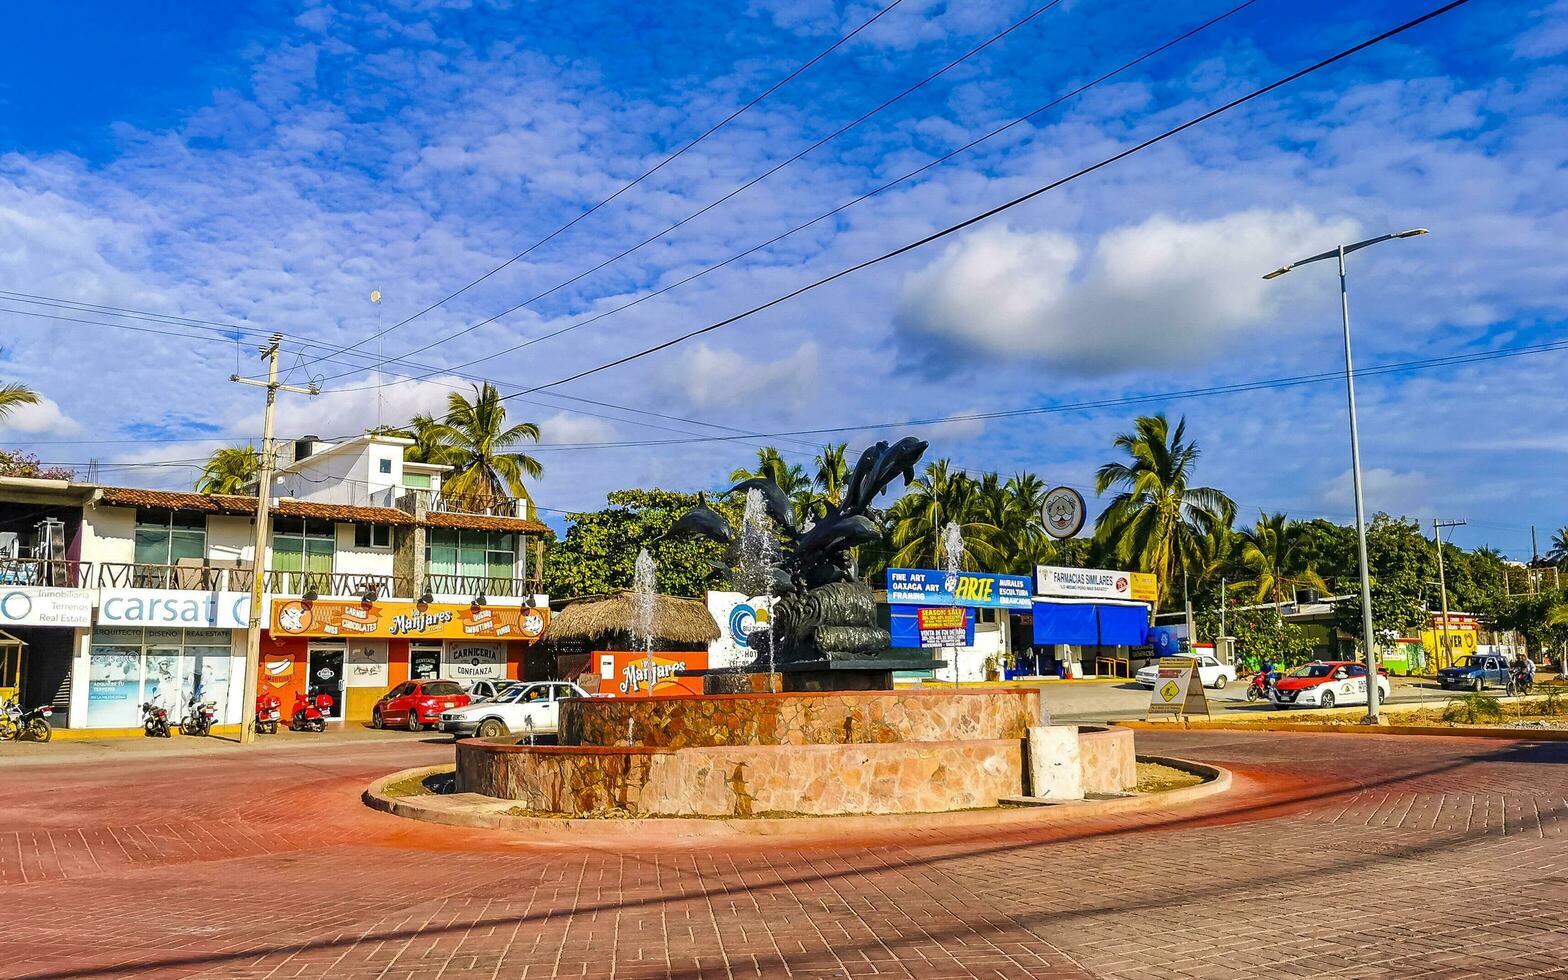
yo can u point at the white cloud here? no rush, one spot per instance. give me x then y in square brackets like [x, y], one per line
[711, 377]
[1158, 294]
[42, 418]
[1398, 492]
[567, 427]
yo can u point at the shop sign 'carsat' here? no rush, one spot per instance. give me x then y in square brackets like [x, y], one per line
[174, 607]
[433, 621]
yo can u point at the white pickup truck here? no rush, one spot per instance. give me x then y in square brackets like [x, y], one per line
[520, 709]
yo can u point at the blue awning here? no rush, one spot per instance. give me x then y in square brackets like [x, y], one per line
[1090, 623]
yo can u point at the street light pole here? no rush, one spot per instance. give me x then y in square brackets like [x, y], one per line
[1367, 635]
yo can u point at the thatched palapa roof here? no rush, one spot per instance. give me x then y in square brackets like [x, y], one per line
[675, 620]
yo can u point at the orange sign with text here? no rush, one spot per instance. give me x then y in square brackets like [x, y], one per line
[407, 620]
[628, 673]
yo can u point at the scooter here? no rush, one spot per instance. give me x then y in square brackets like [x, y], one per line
[310, 714]
[25, 726]
[155, 721]
[268, 711]
[198, 716]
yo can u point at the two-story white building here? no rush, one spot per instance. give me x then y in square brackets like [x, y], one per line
[120, 596]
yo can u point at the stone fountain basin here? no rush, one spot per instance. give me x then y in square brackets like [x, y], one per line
[802, 718]
[801, 753]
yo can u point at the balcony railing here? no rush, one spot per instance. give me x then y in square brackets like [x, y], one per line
[229, 578]
[60, 573]
[472, 585]
[448, 504]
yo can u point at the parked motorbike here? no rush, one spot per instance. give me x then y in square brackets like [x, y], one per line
[155, 721]
[269, 710]
[198, 716]
[25, 726]
[1262, 684]
[310, 714]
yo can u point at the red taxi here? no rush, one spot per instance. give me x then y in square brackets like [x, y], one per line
[1326, 683]
[415, 704]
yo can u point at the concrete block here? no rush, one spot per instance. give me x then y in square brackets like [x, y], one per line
[1055, 766]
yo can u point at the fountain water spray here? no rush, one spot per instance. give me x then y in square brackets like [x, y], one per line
[952, 557]
[759, 555]
[644, 590]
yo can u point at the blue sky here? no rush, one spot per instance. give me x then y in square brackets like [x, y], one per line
[271, 164]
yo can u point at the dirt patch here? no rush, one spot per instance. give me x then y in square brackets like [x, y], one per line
[430, 784]
[1155, 778]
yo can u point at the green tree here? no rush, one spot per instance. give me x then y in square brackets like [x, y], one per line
[231, 469]
[1261, 635]
[28, 466]
[1158, 521]
[599, 550]
[1558, 553]
[13, 396]
[832, 476]
[487, 468]
[1272, 552]
[1400, 562]
[920, 518]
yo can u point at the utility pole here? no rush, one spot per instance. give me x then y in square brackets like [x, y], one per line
[1442, 586]
[1535, 556]
[259, 555]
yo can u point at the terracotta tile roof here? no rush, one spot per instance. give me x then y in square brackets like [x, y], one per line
[484, 522]
[218, 503]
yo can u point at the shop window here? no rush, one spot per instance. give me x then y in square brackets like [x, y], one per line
[372, 535]
[129, 666]
[164, 537]
[303, 546]
[472, 554]
[416, 481]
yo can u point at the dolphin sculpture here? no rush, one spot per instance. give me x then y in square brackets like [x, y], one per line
[777, 505]
[702, 521]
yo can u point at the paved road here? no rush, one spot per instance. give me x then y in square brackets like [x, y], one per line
[1334, 855]
[1082, 701]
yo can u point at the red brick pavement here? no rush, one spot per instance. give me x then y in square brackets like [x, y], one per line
[1333, 856]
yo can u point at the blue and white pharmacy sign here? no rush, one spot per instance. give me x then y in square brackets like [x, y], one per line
[977, 590]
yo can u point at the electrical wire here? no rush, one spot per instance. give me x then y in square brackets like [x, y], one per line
[1015, 202]
[738, 190]
[434, 372]
[639, 179]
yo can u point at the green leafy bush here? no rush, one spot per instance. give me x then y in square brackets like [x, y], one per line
[1475, 708]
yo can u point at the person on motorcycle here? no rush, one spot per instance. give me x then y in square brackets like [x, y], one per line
[1270, 672]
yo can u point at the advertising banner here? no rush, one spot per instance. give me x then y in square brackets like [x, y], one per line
[445, 621]
[1178, 690]
[1095, 583]
[466, 661]
[627, 673]
[737, 614]
[978, 590]
[932, 626]
[174, 607]
[32, 605]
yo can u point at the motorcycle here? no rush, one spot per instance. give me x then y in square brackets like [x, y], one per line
[268, 711]
[310, 714]
[198, 716]
[25, 726]
[1262, 684]
[155, 721]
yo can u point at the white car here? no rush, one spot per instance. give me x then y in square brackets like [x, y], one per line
[1325, 684]
[486, 690]
[1213, 673]
[519, 710]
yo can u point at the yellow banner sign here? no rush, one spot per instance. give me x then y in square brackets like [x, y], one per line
[432, 621]
[1143, 586]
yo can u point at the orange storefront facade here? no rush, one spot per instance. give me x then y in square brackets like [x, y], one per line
[357, 651]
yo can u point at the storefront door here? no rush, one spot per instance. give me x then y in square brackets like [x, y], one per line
[326, 676]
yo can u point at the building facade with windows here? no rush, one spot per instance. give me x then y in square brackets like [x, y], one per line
[116, 596]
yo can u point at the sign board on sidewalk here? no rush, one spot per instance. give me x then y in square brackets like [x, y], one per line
[1178, 689]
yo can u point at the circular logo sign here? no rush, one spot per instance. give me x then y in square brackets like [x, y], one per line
[293, 618]
[15, 606]
[1062, 512]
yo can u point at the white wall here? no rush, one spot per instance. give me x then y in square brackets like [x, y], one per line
[109, 534]
[350, 560]
[230, 538]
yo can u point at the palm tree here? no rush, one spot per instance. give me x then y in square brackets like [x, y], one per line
[1558, 555]
[832, 474]
[920, 517]
[1158, 520]
[475, 440]
[231, 469]
[1272, 551]
[13, 395]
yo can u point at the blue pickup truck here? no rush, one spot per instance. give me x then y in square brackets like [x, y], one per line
[1475, 673]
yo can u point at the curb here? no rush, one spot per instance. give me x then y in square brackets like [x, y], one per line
[472, 810]
[1491, 731]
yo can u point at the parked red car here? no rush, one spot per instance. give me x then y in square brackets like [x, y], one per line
[415, 704]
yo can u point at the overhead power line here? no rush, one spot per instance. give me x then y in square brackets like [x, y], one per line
[992, 212]
[738, 190]
[637, 180]
[454, 369]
